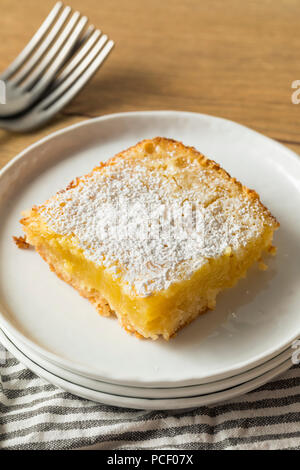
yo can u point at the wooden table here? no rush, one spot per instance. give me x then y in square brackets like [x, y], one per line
[227, 58]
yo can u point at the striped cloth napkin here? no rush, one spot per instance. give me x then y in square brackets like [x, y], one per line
[37, 415]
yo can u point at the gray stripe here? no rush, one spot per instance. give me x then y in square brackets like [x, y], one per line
[154, 415]
[235, 441]
[77, 443]
[279, 384]
[55, 410]
[243, 423]
[10, 362]
[219, 445]
[24, 374]
[66, 395]
[8, 408]
[16, 393]
[230, 442]
[214, 411]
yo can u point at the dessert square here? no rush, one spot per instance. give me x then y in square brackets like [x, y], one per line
[152, 235]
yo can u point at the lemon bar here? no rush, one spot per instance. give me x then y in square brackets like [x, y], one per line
[152, 235]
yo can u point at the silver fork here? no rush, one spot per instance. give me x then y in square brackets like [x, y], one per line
[27, 77]
[91, 55]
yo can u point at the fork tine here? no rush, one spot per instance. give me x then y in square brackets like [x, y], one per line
[51, 105]
[70, 87]
[81, 40]
[86, 35]
[30, 64]
[60, 49]
[68, 82]
[77, 58]
[32, 44]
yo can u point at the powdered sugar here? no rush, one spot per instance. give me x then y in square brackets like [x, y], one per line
[149, 225]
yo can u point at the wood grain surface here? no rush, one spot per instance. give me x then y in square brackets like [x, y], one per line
[236, 59]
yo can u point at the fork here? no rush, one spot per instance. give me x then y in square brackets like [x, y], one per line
[28, 76]
[91, 55]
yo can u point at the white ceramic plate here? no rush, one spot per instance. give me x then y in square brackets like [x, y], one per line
[144, 403]
[252, 323]
[139, 392]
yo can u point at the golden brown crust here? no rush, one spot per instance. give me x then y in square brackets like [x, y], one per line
[189, 320]
[92, 295]
[21, 242]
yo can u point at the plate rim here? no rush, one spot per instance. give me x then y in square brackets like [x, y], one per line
[149, 403]
[67, 364]
[201, 389]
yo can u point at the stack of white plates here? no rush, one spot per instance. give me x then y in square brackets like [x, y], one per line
[241, 345]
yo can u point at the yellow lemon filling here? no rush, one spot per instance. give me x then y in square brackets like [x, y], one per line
[161, 313]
